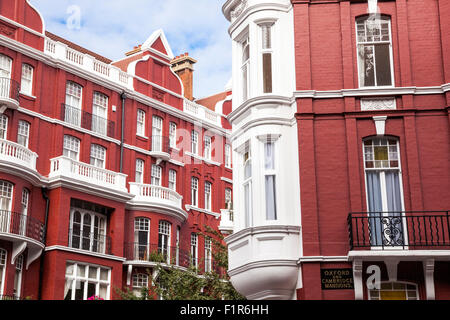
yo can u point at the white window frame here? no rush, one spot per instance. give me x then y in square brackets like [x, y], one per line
[208, 196]
[247, 184]
[408, 292]
[140, 165]
[100, 113]
[3, 259]
[141, 224]
[374, 43]
[3, 127]
[140, 120]
[208, 254]
[194, 250]
[23, 133]
[382, 170]
[172, 180]
[98, 156]
[194, 142]
[173, 134]
[26, 84]
[228, 198]
[6, 196]
[156, 175]
[245, 68]
[18, 277]
[74, 278]
[228, 156]
[207, 145]
[157, 136]
[270, 171]
[266, 49]
[194, 191]
[25, 204]
[164, 237]
[5, 67]
[140, 280]
[71, 147]
[101, 237]
[74, 100]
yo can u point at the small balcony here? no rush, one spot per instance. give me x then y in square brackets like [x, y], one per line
[160, 148]
[88, 121]
[14, 224]
[23, 232]
[226, 225]
[82, 173]
[154, 254]
[157, 198]
[90, 241]
[17, 155]
[9, 93]
[424, 230]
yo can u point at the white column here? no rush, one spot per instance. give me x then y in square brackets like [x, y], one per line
[357, 279]
[428, 268]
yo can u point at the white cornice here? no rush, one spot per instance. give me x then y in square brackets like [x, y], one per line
[370, 92]
[214, 214]
[168, 210]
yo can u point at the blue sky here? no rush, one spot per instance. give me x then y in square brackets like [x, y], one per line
[113, 27]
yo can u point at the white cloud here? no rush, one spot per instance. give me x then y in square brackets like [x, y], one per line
[113, 27]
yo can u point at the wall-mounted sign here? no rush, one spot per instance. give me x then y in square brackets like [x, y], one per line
[336, 279]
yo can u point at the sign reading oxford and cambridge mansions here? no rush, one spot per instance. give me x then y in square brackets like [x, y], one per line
[336, 279]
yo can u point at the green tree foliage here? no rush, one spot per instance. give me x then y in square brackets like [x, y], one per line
[174, 283]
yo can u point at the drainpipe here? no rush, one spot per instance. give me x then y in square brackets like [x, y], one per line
[123, 96]
[44, 239]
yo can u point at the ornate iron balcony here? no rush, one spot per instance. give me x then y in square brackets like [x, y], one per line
[421, 230]
[156, 253]
[21, 225]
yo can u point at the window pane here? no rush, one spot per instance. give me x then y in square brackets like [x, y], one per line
[271, 204]
[383, 65]
[267, 72]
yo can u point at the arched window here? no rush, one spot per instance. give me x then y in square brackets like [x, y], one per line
[6, 190]
[98, 156]
[384, 191]
[173, 180]
[71, 147]
[139, 171]
[395, 291]
[375, 63]
[5, 67]
[2, 269]
[208, 196]
[88, 231]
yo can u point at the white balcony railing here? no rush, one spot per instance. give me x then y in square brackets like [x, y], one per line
[155, 194]
[201, 112]
[17, 154]
[61, 51]
[66, 167]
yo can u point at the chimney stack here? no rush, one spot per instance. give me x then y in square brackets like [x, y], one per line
[183, 66]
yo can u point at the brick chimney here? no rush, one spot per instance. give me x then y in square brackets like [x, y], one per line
[183, 66]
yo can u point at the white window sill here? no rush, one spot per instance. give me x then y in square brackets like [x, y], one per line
[141, 136]
[27, 95]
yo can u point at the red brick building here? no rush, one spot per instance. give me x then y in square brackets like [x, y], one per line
[105, 166]
[347, 104]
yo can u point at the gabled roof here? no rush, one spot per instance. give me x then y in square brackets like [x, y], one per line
[155, 41]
